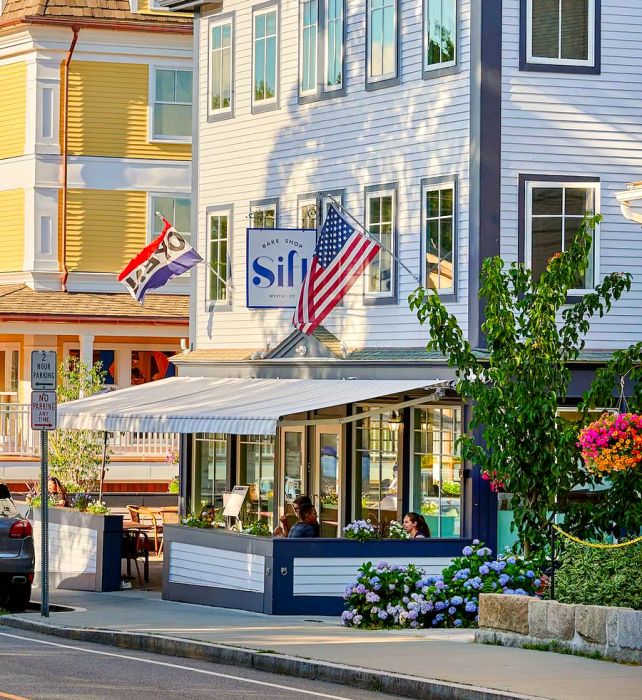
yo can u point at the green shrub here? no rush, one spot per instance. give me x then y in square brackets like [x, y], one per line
[591, 576]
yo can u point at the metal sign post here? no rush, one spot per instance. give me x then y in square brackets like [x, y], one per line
[44, 418]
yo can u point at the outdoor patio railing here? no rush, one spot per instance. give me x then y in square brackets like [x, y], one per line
[17, 439]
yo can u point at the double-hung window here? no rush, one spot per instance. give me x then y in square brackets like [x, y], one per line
[263, 214]
[266, 70]
[309, 47]
[334, 45]
[440, 34]
[322, 48]
[554, 211]
[307, 212]
[380, 223]
[561, 32]
[221, 68]
[172, 107]
[438, 214]
[176, 210]
[219, 231]
[382, 40]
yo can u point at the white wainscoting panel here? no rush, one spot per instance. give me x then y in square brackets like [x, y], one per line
[216, 568]
[72, 549]
[324, 576]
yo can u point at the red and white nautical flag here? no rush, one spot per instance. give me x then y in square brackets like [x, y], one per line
[342, 253]
[167, 256]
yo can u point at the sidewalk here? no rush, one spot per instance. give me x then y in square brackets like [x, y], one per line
[445, 655]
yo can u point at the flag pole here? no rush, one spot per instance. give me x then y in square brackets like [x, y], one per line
[225, 283]
[372, 238]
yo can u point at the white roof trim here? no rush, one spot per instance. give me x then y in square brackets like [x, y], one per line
[232, 406]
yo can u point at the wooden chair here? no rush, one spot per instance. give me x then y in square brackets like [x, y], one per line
[157, 528]
[168, 516]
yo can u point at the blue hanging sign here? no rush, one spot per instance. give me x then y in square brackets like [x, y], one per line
[277, 261]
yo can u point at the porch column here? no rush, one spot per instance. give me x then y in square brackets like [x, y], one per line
[86, 349]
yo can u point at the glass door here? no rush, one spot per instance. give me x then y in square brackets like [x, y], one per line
[328, 478]
[292, 467]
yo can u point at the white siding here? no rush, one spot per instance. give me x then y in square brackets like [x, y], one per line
[72, 550]
[216, 568]
[330, 577]
[399, 134]
[581, 125]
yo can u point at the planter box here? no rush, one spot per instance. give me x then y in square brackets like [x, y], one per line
[84, 550]
[616, 633]
[281, 576]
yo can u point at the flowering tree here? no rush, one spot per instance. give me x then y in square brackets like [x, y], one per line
[518, 382]
[75, 456]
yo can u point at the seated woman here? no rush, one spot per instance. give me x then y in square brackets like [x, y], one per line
[57, 491]
[415, 525]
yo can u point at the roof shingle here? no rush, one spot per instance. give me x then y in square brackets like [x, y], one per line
[118, 10]
[22, 301]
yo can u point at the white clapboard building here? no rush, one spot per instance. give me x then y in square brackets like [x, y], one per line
[453, 130]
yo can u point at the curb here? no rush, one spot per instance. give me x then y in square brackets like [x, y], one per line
[354, 676]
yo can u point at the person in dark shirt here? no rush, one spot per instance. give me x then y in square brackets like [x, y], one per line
[284, 528]
[305, 526]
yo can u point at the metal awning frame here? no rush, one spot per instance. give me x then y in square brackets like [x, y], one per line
[430, 398]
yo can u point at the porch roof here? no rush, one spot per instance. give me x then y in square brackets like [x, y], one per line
[232, 406]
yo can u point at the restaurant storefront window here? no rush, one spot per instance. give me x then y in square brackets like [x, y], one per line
[256, 460]
[436, 475]
[210, 472]
[377, 442]
[293, 465]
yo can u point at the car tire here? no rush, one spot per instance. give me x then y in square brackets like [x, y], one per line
[18, 598]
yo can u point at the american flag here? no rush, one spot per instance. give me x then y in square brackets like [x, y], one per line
[342, 253]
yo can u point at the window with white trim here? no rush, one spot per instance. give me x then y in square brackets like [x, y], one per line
[561, 32]
[334, 48]
[221, 67]
[172, 104]
[440, 34]
[380, 223]
[554, 211]
[382, 39]
[309, 47]
[9, 372]
[218, 255]
[264, 216]
[265, 70]
[308, 213]
[177, 210]
[438, 213]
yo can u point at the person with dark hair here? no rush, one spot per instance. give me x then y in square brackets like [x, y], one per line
[4, 491]
[415, 525]
[284, 528]
[305, 526]
[57, 491]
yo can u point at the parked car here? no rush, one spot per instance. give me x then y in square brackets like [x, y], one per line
[17, 560]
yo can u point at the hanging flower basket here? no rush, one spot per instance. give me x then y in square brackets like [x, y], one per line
[612, 443]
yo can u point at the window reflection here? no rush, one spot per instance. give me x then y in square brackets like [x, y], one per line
[377, 448]
[436, 475]
[257, 472]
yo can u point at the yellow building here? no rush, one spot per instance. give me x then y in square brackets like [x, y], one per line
[96, 123]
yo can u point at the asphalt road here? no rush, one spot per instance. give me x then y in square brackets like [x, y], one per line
[38, 666]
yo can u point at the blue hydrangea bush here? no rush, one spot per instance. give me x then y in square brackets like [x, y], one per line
[360, 530]
[388, 595]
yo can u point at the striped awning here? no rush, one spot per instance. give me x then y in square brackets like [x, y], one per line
[211, 405]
